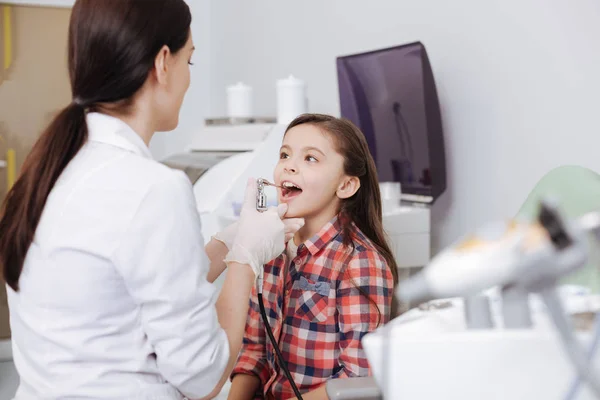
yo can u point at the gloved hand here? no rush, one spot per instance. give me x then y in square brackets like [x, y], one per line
[292, 225]
[260, 236]
[226, 236]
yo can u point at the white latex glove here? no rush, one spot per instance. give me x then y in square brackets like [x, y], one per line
[291, 226]
[227, 235]
[260, 236]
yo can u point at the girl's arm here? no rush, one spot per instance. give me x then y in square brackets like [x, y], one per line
[244, 387]
[367, 273]
[317, 394]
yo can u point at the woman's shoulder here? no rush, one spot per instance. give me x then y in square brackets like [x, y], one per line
[147, 176]
[149, 172]
[170, 185]
[143, 183]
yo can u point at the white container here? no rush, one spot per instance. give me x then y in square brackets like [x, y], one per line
[391, 194]
[291, 99]
[239, 101]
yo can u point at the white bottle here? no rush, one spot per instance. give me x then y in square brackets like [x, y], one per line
[391, 195]
[291, 99]
[239, 101]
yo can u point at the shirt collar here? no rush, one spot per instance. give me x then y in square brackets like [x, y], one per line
[110, 130]
[329, 232]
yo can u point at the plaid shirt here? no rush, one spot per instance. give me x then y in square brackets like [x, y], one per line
[317, 313]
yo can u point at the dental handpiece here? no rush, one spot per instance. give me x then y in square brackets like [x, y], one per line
[261, 197]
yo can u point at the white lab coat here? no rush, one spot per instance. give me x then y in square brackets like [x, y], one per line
[113, 300]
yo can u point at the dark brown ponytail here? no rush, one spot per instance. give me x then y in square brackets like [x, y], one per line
[112, 47]
[25, 202]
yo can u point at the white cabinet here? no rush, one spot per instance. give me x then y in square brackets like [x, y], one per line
[408, 229]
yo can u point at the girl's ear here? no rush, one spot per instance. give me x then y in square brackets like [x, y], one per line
[348, 187]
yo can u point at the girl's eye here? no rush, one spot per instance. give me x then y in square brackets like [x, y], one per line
[311, 159]
[190, 63]
[283, 155]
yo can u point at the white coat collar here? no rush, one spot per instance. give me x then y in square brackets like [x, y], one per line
[106, 129]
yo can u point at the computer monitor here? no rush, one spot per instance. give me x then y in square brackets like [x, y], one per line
[390, 95]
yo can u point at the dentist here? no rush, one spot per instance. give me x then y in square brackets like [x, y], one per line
[100, 246]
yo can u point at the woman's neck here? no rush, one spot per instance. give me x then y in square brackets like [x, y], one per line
[138, 117]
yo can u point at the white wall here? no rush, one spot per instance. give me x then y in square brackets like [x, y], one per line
[196, 104]
[518, 81]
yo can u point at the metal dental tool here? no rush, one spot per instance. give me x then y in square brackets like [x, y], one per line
[261, 197]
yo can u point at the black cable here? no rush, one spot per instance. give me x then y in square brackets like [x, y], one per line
[282, 363]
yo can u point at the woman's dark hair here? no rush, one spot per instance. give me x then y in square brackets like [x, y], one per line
[364, 207]
[113, 45]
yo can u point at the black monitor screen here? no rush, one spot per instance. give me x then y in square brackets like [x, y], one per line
[390, 95]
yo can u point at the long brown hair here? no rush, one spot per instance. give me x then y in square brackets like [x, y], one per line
[364, 207]
[111, 49]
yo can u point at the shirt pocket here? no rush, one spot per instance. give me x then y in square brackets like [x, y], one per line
[312, 299]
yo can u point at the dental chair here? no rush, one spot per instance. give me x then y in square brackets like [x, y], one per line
[577, 189]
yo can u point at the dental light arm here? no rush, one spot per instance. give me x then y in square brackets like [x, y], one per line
[530, 256]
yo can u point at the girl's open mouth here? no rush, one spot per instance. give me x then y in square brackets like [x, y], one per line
[289, 190]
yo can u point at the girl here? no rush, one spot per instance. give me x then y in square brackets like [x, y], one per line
[334, 282]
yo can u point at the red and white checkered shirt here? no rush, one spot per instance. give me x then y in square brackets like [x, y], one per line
[317, 313]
